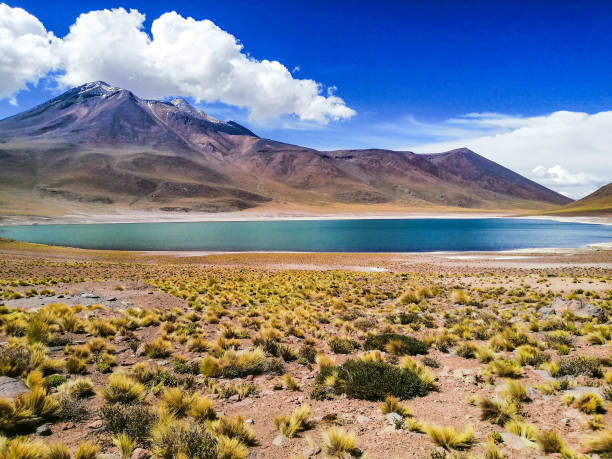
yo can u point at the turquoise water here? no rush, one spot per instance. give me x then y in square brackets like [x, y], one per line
[375, 235]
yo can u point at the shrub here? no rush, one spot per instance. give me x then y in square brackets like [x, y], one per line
[449, 438]
[297, 422]
[373, 380]
[133, 420]
[580, 365]
[122, 389]
[338, 442]
[71, 408]
[15, 360]
[54, 380]
[403, 345]
[467, 350]
[308, 353]
[342, 345]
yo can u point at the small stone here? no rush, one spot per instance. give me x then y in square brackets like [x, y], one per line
[43, 430]
[278, 440]
[362, 419]
[250, 421]
[234, 398]
[112, 299]
[394, 419]
[67, 426]
[140, 453]
[89, 295]
[565, 421]
[140, 350]
[96, 424]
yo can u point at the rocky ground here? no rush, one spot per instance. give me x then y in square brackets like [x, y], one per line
[554, 303]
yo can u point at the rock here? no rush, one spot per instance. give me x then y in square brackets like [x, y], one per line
[249, 378]
[140, 453]
[250, 421]
[252, 455]
[11, 388]
[278, 440]
[98, 424]
[362, 419]
[578, 307]
[565, 421]
[140, 350]
[67, 426]
[545, 312]
[89, 295]
[112, 298]
[44, 430]
[234, 398]
[394, 419]
[108, 456]
[312, 452]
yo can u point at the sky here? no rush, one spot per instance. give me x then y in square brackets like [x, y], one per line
[527, 84]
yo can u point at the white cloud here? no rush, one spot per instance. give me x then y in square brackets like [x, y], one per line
[181, 56]
[582, 142]
[557, 175]
[26, 51]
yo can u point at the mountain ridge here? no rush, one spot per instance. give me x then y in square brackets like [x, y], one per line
[99, 145]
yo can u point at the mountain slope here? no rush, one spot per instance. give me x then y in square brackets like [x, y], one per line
[97, 146]
[597, 203]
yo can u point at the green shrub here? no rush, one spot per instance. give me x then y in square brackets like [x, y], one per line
[134, 420]
[54, 380]
[406, 345]
[580, 365]
[372, 381]
[342, 345]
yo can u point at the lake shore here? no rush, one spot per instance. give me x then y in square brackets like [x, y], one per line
[139, 216]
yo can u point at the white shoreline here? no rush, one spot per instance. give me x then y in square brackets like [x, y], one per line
[157, 217]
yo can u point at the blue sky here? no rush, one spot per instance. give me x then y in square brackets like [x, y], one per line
[525, 82]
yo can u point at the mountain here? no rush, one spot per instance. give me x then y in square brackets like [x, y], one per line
[101, 147]
[597, 203]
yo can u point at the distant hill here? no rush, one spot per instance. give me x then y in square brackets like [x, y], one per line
[103, 148]
[597, 203]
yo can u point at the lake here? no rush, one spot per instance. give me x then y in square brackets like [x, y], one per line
[370, 235]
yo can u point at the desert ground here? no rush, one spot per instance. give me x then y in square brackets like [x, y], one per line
[270, 355]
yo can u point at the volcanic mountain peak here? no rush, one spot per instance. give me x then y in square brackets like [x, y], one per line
[97, 143]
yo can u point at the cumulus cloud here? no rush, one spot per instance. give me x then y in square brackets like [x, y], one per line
[581, 141]
[26, 51]
[180, 56]
[557, 175]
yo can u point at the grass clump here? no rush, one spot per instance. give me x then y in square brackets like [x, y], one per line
[297, 422]
[338, 442]
[580, 365]
[549, 441]
[392, 405]
[600, 442]
[498, 412]
[449, 438]
[398, 344]
[123, 389]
